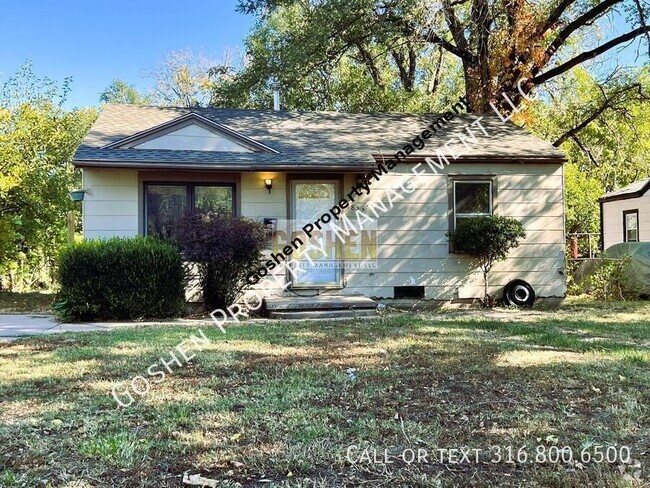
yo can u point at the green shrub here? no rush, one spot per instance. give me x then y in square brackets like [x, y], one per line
[612, 280]
[120, 278]
[488, 240]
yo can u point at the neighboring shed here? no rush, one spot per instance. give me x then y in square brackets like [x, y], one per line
[625, 214]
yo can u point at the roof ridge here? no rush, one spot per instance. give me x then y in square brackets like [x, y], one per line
[300, 112]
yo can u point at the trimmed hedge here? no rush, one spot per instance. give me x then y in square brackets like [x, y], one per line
[120, 278]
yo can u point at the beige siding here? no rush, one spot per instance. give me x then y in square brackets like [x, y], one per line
[613, 219]
[110, 206]
[258, 203]
[413, 247]
[193, 138]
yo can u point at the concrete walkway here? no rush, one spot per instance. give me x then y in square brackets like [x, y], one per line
[17, 325]
[22, 325]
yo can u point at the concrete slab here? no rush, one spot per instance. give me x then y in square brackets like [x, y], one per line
[323, 314]
[16, 325]
[321, 302]
[22, 325]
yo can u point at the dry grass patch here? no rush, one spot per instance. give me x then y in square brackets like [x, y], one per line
[276, 405]
[545, 357]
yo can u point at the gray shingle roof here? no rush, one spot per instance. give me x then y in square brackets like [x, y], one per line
[633, 190]
[318, 140]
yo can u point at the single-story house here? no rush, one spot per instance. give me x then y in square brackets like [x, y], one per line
[143, 167]
[625, 214]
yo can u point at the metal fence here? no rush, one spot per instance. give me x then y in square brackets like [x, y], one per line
[582, 245]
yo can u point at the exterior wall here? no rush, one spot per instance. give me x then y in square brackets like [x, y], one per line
[412, 249]
[258, 203]
[113, 204]
[613, 219]
[110, 206]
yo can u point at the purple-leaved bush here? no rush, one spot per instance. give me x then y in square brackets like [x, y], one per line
[225, 250]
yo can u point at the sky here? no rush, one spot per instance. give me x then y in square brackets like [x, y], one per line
[97, 41]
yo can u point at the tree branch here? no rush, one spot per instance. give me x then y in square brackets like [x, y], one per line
[455, 27]
[399, 61]
[434, 38]
[585, 150]
[639, 8]
[581, 58]
[413, 59]
[406, 67]
[579, 22]
[555, 15]
[8, 208]
[368, 60]
[572, 132]
[481, 18]
[433, 84]
[609, 103]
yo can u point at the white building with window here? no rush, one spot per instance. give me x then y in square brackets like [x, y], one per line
[144, 168]
[625, 214]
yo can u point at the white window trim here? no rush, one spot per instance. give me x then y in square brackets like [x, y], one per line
[466, 215]
[626, 229]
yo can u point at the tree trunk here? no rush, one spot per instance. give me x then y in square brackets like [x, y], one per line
[486, 296]
[477, 92]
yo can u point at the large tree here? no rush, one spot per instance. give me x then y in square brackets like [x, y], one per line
[37, 140]
[298, 45]
[604, 128]
[121, 92]
[183, 79]
[417, 55]
[499, 44]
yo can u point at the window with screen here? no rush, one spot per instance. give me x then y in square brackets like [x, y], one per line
[631, 226]
[472, 198]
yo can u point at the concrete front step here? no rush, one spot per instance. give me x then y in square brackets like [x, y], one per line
[326, 303]
[323, 314]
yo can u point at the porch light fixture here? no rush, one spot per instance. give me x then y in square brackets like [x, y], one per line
[77, 195]
[268, 183]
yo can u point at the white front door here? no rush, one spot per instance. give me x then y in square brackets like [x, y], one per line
[309, 200]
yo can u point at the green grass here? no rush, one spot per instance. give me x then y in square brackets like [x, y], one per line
[272, 404]
[36, 302]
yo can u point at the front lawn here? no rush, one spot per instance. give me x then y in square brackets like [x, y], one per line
[278, 405]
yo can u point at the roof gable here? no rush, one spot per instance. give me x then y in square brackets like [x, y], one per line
[291, 140]
[191, 132]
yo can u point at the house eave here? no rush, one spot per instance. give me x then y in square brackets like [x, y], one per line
[147, 165]
[345, 168]
[478, 159]
[626, 196]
